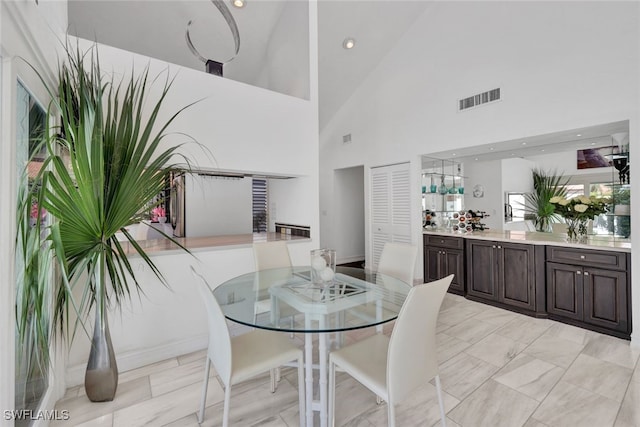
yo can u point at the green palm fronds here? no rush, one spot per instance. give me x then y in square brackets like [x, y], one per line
[537, 203]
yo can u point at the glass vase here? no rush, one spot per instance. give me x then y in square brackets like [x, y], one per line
[576, 230]
[323, 266]
[543, 224]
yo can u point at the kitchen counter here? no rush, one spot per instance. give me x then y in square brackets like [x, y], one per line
[196, 244]
[538, 238]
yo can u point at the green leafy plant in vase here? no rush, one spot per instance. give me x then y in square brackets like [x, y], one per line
[113, 167]
[538, 206]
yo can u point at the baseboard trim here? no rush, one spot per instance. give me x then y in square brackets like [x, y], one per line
[635, 341]
[138, 358]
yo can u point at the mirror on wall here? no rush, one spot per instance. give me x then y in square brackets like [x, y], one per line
[593, 160]
[31, 379]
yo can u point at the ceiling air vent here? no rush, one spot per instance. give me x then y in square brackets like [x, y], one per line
[346, 138]
[479, 99]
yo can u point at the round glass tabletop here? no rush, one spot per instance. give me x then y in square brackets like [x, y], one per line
[285, 299]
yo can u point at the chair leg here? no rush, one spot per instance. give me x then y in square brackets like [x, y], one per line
[293, 321]
[205, 385]
[378, 400]
[332, 394]
[440, 401]
[225, 413]
[391, 413]
[301, 396]
[272, 377]
[277, 376]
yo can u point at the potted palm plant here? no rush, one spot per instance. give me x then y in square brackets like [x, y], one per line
[538, 206]
[113, 168]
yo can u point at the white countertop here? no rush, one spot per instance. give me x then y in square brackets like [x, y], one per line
[196, 244]
[538, 238]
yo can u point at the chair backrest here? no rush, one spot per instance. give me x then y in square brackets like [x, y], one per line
[219, 339]
[412, 359]
[398, 260]
[271, 255]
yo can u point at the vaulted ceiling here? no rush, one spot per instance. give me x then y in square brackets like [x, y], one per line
[156, 28]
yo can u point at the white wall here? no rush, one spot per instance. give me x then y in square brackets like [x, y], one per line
[560, 65]
[286, 65]
[29, 32]
[217, 206]
[489, 175]
[236, 126]
[517, 176]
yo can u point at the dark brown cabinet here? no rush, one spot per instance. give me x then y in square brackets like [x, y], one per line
[589, 288]
[444, 255]
[506, 274]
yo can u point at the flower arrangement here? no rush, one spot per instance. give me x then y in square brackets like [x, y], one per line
[35, 210]
[579, 207]
[157, 212]
[577, 211]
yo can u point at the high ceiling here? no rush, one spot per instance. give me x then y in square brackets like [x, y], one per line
[156, 28]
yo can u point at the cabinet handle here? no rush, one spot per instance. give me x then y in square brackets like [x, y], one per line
[499, 247]
[586, 273]
[578, 272]
[582, 257]
[494, 246]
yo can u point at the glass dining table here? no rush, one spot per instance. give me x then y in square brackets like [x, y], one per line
[285, 300]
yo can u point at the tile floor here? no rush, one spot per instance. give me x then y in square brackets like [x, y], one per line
[498, 368]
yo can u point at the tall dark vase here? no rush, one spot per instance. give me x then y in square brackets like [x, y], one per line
[101, 377]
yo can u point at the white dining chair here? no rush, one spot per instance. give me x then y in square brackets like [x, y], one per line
[269, 256]
[398, 260]
[393, 367]
[245, 356]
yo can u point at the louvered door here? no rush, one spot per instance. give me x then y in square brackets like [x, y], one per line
[390, 207]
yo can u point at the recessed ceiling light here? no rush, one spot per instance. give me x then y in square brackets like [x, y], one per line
[239, 3]
[476, 158]
[524, 143]
[593, 143]
[578, 134]
[453, 154]
[542, 149]
[491, 148]
[349, 43]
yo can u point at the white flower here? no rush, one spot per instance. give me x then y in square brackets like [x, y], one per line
[555, 199]
[563, 202]
[580, 208]
[585, 200]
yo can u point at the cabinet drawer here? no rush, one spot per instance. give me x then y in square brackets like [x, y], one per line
[444, 241]
[586, 257]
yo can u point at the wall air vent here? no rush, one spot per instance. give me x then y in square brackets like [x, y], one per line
[346, 138]
[479, 99]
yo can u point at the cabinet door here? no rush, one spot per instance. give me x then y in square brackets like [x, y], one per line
[516, 270]
[481, 269]
[564, 290]
[432, 263]
[606, 299]
[453, 263]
